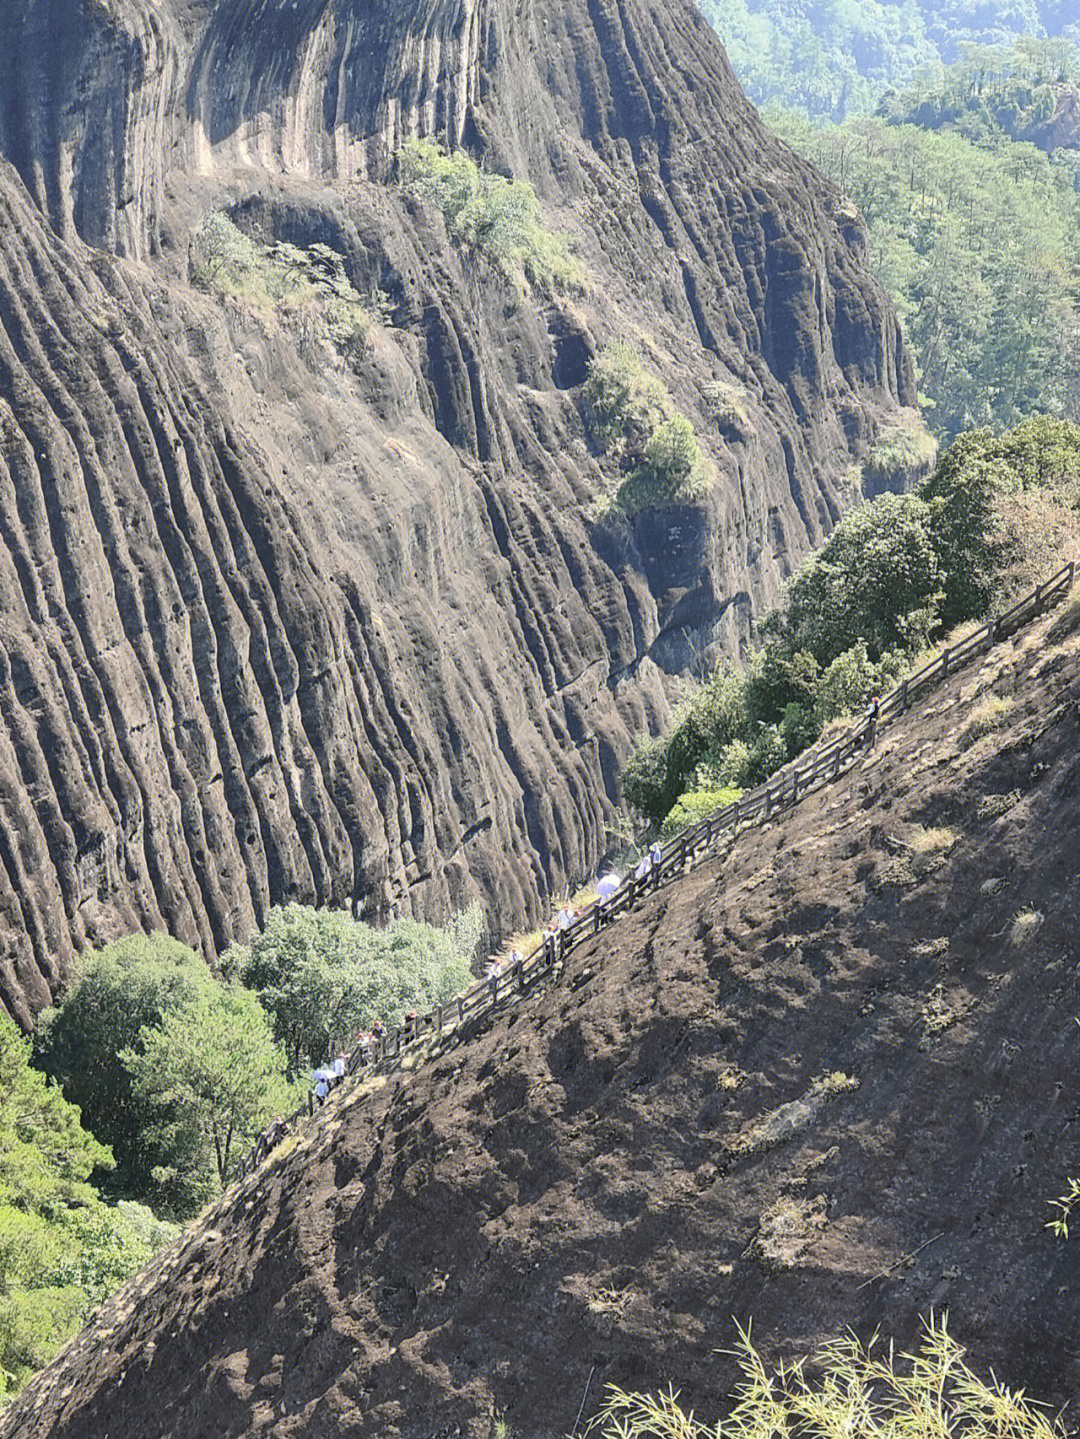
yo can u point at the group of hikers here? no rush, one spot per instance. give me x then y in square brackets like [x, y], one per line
[553, 936]
[608, 886]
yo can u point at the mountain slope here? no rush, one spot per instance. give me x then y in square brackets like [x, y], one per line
[818, 1083]
[277, 626]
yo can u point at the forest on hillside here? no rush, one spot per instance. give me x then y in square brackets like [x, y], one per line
[835, 58]
[955, 132]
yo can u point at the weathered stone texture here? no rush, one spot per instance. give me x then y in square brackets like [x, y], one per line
[270, 628]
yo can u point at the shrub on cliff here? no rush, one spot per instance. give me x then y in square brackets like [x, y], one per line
[322, 975]
[308, 289]
[624, 400]
[901, 456]
[490, 214]
[634, 419]
[672, 467]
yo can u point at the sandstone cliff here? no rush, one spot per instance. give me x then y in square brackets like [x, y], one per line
[271, 627]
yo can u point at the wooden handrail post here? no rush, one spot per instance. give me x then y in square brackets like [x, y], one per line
[903, 697]
[944, 662]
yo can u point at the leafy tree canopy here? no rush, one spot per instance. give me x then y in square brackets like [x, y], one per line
[322, 975]
[832, 59]
[62, 1250]
[975, 244]
[210, 1076]
[896, 573]
[117, 992]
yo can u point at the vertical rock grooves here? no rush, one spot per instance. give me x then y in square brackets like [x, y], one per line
[273, 628]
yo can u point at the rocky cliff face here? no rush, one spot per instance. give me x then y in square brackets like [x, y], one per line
[273, 627]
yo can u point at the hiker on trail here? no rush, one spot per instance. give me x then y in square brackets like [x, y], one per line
[322, 1089]
[873, 711]
[340, 1064]
[656, 854]
[410, 1025]
[378, 1031]
[494, 972]
[363, 1045]
[551, 943]
[607, 886]
[565, 918]
[643, 867]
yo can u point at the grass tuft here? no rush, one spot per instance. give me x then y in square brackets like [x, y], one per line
[1025, 924]
[993, 806]
[850, 1391]
[986, 716]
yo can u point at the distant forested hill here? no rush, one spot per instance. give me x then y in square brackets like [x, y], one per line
[833, 58]
[954, 127]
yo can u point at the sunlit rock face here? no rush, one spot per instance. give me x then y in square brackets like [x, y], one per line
[275, 627]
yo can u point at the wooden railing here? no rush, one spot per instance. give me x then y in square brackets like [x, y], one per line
[677, 858]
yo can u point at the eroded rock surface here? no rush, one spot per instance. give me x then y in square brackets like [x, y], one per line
[274, 628]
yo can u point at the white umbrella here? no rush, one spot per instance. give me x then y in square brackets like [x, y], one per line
[607, 886]
[323, 1074]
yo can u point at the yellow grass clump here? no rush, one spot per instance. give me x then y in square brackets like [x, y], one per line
[852, 1389]
[1025, 923]
[986, 716]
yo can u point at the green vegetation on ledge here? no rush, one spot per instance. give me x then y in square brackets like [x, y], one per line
[308, 289]
[636, 424]
[489, 214]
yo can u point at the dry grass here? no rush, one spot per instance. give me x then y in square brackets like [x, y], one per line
[835, 1083]
[786, 1230]
[1026, 922]
[937, 1014]
[986, 716]
[851, 1390]
[993, 806]
[1067, 619]
[922, 852]
[932, 948]
[609, 1301]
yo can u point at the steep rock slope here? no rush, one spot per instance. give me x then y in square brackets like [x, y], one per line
[275, 628]
[603, 1176]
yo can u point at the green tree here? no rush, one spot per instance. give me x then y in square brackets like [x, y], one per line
[974, 241]
[877, 578]
[62, 1250]
[895, 573]
[211, 1076]
[117, 992]
[322, 975]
